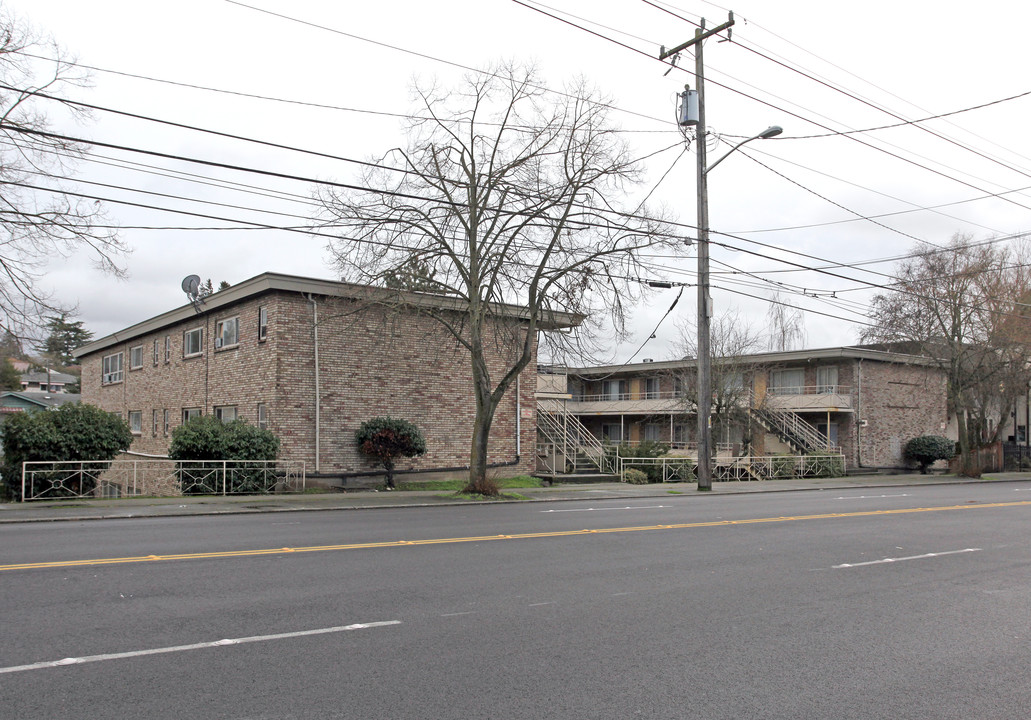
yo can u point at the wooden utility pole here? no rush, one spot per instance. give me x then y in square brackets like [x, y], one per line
[704, 360]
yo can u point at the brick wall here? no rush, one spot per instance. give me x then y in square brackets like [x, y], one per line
[898, 402]
[372, 362]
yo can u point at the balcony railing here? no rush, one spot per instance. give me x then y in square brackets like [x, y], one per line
[809, 390]
[616, 397]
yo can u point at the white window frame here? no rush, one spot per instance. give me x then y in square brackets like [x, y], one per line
[111, 369]
[191, 412]
[136, 357]
[188, 350]
[136, 422]
[164, 418]
[227, 333]
[156, 355]
[262, 323]
[168, 349]
[154, 421]
[262, 416]
[226, 413]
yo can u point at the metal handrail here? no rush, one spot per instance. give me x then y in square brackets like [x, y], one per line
[571, 434]
[793, 427]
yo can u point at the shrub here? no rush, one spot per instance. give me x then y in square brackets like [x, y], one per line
[635, 477]
[927, 449]
[72, 432]
[645, 449]
[208, 438]
[387, 438]
[828, 465]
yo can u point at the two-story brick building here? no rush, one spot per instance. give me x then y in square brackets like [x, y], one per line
[310, 360]
[861, 402]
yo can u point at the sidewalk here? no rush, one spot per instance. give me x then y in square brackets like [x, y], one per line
[75, 510]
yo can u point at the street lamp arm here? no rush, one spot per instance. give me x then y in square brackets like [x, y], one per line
[769, 132]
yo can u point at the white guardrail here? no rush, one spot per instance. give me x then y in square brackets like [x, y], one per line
[158, 478]
[758, 467]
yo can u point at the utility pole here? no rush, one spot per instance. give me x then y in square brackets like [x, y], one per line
[704, 360]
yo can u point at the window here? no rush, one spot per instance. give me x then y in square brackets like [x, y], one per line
[681, 433]
[651, 388]
[787, 382]
[193, 342]
[650, 432]
[155, 352]
[827, 379]
[168, 348]
[136, 357]
[613, 390]
[262, 324]
[190, 413]
[154, 423]
[136, 422]
[262, 416]
[612, 432]
[112, 372]
[679, 386]
[164, 417]
[227, 333]
[226, 413]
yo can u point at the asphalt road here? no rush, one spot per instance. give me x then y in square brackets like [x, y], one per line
[911, 602]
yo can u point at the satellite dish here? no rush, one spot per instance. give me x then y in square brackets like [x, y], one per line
[191, 286]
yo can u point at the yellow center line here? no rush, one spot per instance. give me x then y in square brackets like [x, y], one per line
[486, 538]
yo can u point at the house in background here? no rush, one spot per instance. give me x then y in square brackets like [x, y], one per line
[47, 382]
[12, 401]
[311, 360]
[862, 403]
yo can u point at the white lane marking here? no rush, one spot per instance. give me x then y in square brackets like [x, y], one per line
[457, 614]
[194, 646]
[868, 497]
[540, 603]
[901, 559]
[628, 507]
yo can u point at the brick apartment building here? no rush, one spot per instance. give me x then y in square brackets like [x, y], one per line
[861, 402]
[310, 360]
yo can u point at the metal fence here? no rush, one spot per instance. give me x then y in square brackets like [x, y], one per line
[158, 478]
[759, 467]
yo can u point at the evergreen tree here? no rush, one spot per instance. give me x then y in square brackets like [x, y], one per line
[63, 337]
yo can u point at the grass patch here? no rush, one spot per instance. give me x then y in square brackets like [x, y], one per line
[675, 492]
[456, 484]
[473, 497]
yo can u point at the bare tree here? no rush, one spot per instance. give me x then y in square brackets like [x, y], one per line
[958, 306]
[786, 325]
[38, 220]
[732, 342]
[506, 195]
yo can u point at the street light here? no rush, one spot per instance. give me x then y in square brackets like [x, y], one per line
[705, 302]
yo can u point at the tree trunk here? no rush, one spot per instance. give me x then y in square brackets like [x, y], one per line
[388, 464]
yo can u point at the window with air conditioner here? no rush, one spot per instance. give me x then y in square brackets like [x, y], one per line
[112, 369]
[193, 342]
[227, 333]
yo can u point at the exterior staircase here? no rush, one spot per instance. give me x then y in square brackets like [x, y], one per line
[802, 437]
[566, 449]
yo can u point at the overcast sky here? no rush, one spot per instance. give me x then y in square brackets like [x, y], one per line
[818, 69]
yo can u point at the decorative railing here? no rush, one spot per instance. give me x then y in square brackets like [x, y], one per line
[642, 395]
[158, 478]
[758, 467]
